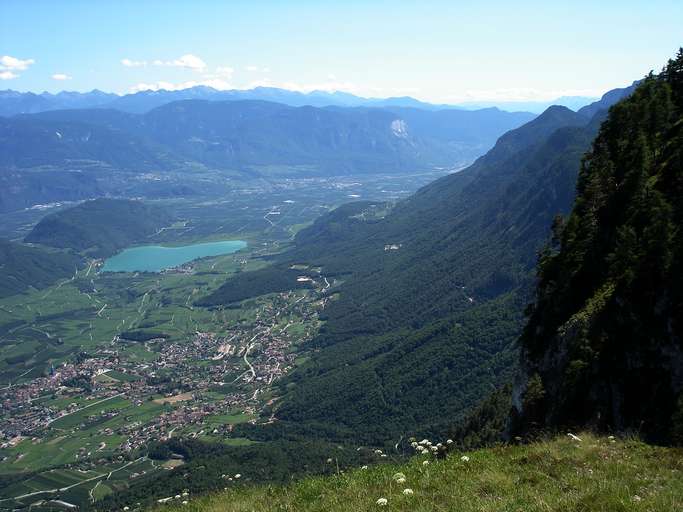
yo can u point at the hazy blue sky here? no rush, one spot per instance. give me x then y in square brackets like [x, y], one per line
[446, 51]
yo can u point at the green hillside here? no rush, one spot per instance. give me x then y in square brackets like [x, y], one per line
[99, 227]
[22, 266]
[250, 135]
[420, 333]
[24, 189]
[603, 343]
[31, 142]
[560, 475]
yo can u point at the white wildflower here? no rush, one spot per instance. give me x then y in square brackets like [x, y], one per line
[401, 481]
[424, 442]
[572, 436]
[465, 458]
[329, 461]
[177, 496]
[439, 445]
[434, 449]
[382, 502]
[383, 455]
[450, 441]
[408, 492]
[238, 475]
[126, 508]
[611, 438]
[185, 502]
[425, 462]
[398, 475]
[364, 467]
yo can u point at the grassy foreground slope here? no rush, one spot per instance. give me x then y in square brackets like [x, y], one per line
[596, 474]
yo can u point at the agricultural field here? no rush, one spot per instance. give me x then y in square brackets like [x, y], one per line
[100, 364]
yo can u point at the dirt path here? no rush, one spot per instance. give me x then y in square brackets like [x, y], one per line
[251, 368]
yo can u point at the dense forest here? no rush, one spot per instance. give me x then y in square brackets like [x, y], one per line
[100, 227]
[433, 289]
[245, 285]
[25, 266]
[603, 345]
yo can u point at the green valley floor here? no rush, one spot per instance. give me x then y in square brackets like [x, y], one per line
[562, 474]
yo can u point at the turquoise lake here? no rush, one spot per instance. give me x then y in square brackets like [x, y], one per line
[155, 258]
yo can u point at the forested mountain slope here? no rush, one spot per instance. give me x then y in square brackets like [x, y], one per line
[459, 128]
[243, 134]
[28, 141]
[604, 341]
[23, 266]
[23, 189]
[99, 227]
[66, 155]
[238, 134]
[422, 332]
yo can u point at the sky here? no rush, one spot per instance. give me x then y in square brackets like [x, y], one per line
[440, 51]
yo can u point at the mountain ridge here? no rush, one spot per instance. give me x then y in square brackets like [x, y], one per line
[431, 326]
[602, 346]
[15, 102]
[249, 133]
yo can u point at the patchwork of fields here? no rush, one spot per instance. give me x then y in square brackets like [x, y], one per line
[97, 366]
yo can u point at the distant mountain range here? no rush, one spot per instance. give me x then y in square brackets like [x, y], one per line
[247, 138]
[571, 102]
[13, 102]
[241, 135]
[249, 133]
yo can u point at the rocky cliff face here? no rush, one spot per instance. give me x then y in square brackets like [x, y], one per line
[603, 345]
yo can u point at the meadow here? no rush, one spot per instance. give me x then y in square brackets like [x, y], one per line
[555, 475]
